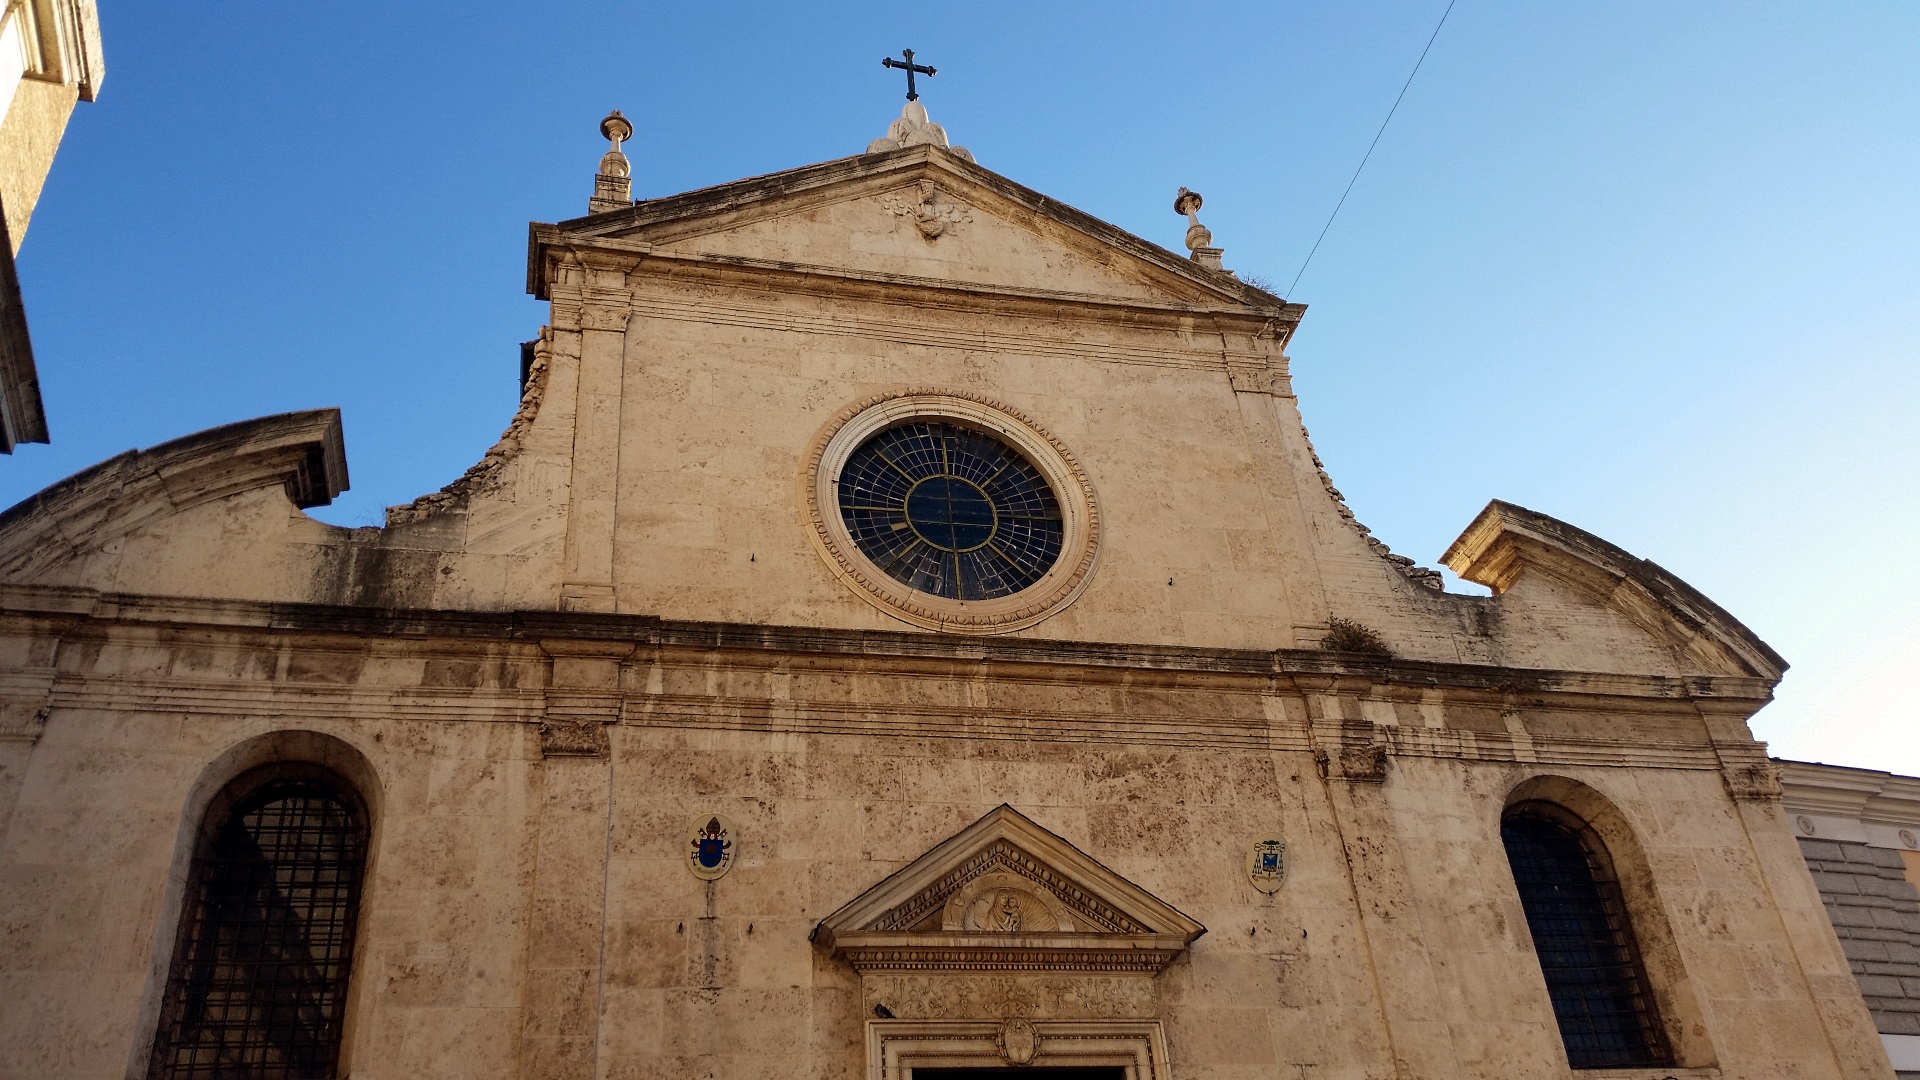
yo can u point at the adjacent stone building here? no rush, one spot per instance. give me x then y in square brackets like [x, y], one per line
[904, 632]
[1860, 832]
[50, 60]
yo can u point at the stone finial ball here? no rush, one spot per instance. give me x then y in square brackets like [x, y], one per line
[1186, 202]
[615, 126]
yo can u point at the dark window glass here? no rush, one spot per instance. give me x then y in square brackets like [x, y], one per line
[1586, 948]
[1083, 1072]
[950, 511]
[259, 980]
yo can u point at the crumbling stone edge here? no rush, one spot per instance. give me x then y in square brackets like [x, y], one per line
[1413, 571]
[455, 494]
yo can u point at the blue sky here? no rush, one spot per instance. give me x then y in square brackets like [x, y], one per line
[1651, 268]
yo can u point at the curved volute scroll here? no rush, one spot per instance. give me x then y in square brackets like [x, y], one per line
[1506, 542]
[1004, 894]
[301, 452]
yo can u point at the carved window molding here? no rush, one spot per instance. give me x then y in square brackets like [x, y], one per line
[896, 1047]
[852, 429]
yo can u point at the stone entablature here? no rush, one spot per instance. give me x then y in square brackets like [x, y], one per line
[529, 759]
[1861, 806]
[429, 665]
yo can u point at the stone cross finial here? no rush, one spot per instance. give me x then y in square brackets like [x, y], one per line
[1199, 237]
[613, 184]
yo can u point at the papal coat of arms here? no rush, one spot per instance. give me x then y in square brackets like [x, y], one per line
[710, 845]
[1267, 862]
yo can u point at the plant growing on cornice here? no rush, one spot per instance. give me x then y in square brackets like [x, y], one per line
[1346, 635]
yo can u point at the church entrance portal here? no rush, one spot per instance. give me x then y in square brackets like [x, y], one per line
[1016, 1073]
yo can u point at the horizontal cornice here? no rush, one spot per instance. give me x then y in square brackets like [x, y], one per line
[1311, 671]
[761, 194]
[902, 288]
[1868, 796]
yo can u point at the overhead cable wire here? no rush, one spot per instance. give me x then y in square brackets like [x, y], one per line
[1370, 146]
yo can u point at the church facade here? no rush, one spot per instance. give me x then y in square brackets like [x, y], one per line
[904, 632]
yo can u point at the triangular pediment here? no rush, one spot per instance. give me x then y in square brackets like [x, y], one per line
[1006, 894]
[914, 215]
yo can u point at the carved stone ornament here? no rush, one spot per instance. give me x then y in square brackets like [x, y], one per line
[1199, 237]
[710, 846]
[928, 212]
[568, 738]
[1267, 862]
[913, 128]
[1363, 763]
[1006, 903]
[1757, 782]
[1004, 894]
[1019, 1042]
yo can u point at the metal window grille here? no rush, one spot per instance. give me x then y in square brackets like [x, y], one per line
[1599, 989]
[259, 980]
[951, 511]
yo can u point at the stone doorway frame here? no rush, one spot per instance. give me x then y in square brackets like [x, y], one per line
[896, 1047]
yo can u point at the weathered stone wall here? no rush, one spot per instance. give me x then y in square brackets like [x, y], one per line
[533, 915]
[29, 136]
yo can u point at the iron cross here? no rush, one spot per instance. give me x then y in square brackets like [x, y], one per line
[909, 67]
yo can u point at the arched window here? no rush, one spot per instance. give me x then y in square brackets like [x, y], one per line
[258, 984]
[1587, 952]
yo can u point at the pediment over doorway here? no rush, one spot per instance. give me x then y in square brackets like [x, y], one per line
[1004, 894]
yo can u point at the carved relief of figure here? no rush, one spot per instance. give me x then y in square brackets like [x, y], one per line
[1004, 903]
[1007, 915]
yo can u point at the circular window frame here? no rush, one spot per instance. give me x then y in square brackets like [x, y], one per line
[1080, 516]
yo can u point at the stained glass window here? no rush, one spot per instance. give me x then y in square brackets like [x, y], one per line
[1587, 953]
[259, 980]
[951, 511]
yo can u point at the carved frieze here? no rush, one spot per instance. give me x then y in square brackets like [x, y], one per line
[950, 995]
